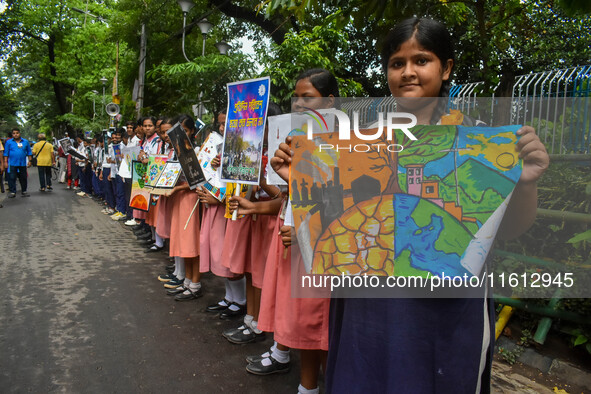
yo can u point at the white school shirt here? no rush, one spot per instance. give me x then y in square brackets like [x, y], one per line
[134, 141]
[106, 156]
[82, 150]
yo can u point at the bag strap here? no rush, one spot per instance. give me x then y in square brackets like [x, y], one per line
[42, 146]
[40, 149]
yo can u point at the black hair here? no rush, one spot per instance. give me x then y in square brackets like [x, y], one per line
[322, 80]
[273, 109]
[430, 34]
[121, 130]
[129, 123]
[166, 120]
[188, 122]
[153, 119]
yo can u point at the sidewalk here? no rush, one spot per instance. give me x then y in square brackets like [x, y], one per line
[535, 372]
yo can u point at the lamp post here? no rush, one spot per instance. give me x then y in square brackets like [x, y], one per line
[94, 94]
[205, 28]
[104, 82]
[186, 6]
[223, 47]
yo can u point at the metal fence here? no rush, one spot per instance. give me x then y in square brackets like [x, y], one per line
[556, 103]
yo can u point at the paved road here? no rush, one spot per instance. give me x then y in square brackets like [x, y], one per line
[82, 311]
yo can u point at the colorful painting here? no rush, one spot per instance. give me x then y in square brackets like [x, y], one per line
[129, 154]
[185, 153]
[281, 126]
[140, 196]
[430, 208]
[169, 176]
[156, 165]
[117, 153]
[245, 129]
[210, 149]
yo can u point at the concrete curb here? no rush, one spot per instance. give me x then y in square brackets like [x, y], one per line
[561, 369]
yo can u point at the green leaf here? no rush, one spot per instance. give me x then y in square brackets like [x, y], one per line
[586, 236]
[581, 339]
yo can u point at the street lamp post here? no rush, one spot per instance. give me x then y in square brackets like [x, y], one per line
[186, 6]
[94, 94]
[205, 28]
[104, 82]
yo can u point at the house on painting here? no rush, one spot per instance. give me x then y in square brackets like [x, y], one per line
[429, 190]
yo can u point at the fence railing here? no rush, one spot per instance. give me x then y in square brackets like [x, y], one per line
[556, 103]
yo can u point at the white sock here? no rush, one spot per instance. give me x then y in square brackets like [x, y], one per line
[195, 286]
[187, 282]
[223, 303]
[181, 267]
[176, 267]
[274, 346]
[238, 290]
[303, 390]
[281, 356]
[234, 307]
[254, 326]
[159, 240]
[229, 295]
[248, 319]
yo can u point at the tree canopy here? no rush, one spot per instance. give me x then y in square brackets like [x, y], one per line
[55, 52]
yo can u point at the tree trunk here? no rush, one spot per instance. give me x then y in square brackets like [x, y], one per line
[57, 86]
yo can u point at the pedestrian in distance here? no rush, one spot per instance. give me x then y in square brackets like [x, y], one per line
[43, 151]
[16, 152]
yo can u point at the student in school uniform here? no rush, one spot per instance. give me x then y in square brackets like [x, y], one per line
[300, 323]
[261, 232]
[184, 232]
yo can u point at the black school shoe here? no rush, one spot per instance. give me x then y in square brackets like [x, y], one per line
[188, 295]
[230, 314]
[217, 307]
[247, 335]
[258, 368]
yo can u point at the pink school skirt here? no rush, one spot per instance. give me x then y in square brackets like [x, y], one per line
[236, 250]
[164, 215]
[152, 214]
[213, 230]
[261, 231]
[299, 323]
[184, 242]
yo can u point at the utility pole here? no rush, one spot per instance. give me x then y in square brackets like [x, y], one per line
[142, 73]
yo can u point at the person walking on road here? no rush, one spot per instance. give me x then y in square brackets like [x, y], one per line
[43, 150]
[16, 152]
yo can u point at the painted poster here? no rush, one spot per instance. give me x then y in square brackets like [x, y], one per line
[433, 207]
[185, 153]
[140, 196]
[210, 149]
[66, 144]
[156, 165]
[117, 152]
[244, 132]
[281, 126]
[128, 154]
[169, 176]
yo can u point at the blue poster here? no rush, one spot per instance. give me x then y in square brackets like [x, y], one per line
[244, 131]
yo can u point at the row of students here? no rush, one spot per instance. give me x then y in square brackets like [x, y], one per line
[363, 345]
